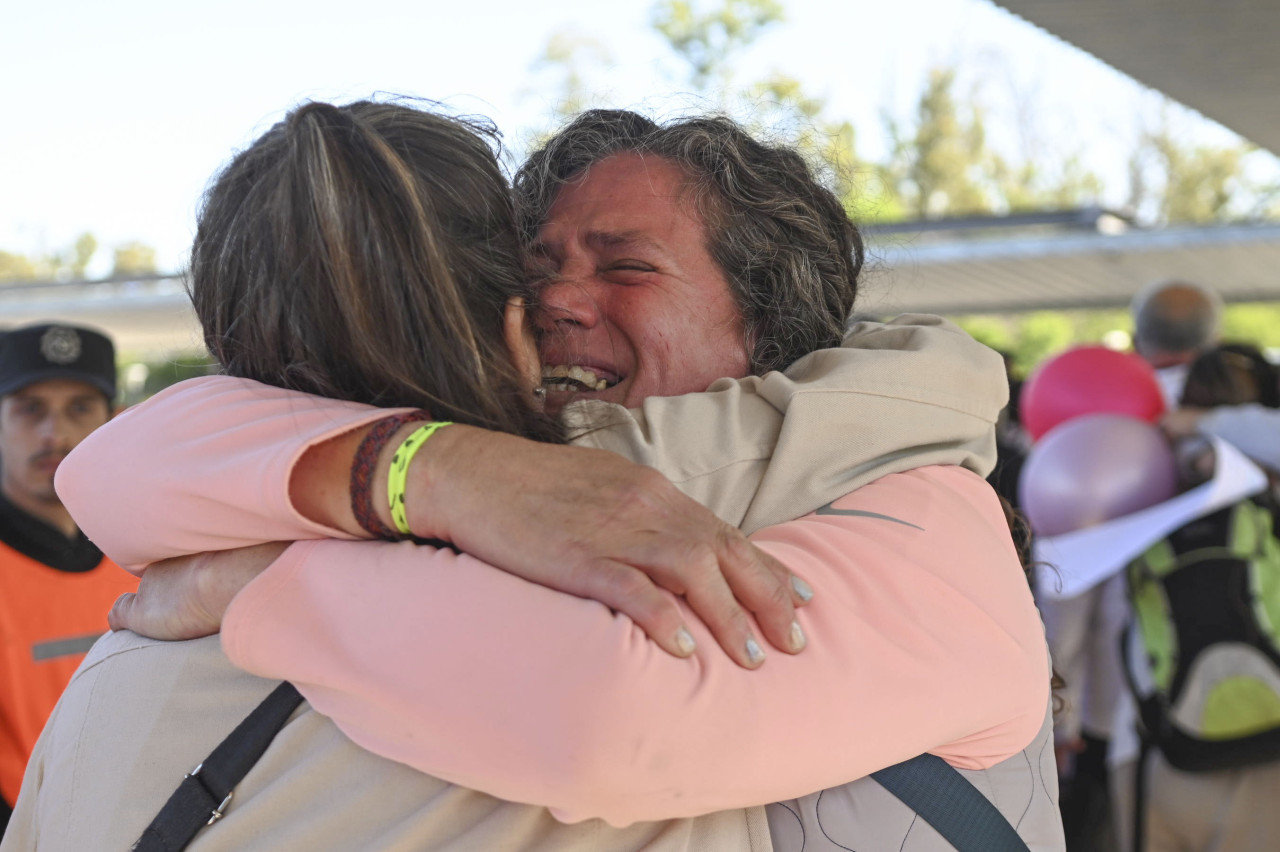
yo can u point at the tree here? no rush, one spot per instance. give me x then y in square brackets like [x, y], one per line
[16, 267]
[82, 251]
[134, 258]
[572, 58]
[777, 105]
[707, 40]
[68, 263]
[941, 160]
[1172, 182]
[1028, 185]
[940, 168]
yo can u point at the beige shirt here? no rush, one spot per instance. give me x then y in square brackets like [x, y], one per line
[125, 733]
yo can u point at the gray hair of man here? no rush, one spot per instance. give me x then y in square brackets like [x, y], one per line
[783, 241]
[1174, 320]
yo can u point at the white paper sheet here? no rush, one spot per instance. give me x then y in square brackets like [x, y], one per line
[1083, 558]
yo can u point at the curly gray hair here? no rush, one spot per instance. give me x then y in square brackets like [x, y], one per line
[783, 240]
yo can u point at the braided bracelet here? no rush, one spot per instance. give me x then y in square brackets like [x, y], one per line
[362, 470]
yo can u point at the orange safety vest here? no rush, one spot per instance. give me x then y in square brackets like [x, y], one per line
[48, 620]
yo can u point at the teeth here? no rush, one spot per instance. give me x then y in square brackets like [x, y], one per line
[584, 376]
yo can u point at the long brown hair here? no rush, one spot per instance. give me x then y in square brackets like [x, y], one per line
[366, 252]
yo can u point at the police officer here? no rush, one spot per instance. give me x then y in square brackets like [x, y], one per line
[57, 384]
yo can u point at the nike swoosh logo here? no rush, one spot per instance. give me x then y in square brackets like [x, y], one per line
[856, 513]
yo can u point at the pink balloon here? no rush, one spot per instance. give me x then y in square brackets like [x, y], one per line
[1093, 469]
[1089, 380]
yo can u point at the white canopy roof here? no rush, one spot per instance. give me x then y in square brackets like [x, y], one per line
[1219, 57]
[1072, 270]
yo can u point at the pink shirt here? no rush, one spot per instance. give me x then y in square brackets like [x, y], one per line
[923, 636]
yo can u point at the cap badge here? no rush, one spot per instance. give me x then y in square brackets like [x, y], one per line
[60, 345]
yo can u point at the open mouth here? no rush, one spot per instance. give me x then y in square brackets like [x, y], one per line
[576, 379]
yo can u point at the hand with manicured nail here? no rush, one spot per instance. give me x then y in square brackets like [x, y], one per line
[582, 521]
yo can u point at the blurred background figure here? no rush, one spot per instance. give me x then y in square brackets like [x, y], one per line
[1095, 457]
[1235, 396]
[57, 384]
[1084, 638]
[1173, 322]
[1203, 655]
[1233, 379]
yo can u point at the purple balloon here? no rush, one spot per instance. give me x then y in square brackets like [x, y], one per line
[1093, 469]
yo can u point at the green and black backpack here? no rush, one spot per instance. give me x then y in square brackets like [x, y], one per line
[1202, 652]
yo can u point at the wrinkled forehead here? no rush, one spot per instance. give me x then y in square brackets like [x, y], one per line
[618, 184]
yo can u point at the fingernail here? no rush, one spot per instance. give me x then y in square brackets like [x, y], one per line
[754, 653]
[803, 589]
[797, 636]
[684, 641]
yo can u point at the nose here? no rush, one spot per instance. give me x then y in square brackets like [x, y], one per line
[570, 299]
[54, 431]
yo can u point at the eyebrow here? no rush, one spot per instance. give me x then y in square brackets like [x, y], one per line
[606, 240]
[622, 239]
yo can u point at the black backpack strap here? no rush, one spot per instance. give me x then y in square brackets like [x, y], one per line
[943, 798]
[205, 792]
[1140, 797]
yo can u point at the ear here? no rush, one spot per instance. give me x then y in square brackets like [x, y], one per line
[518, 335]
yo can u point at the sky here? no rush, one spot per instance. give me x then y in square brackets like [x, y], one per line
[119, 113]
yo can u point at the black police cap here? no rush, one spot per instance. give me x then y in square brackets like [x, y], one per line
[36, 353]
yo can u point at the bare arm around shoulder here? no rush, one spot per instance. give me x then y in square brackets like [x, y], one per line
[217, 464]
[924, 638]
[209, 464]
[243, 463]
[1252, 429]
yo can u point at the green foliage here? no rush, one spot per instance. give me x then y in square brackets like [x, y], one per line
[72, 262]
[1176, 183]
[140, 379]
[997, 332]
[707, 39]
[1252, 322]
[134, 259]
[783, 109]
[17, 267]
[1042, 333]
[940, 162]
[570, 59]
[940, 167]
[1031, 338]
[61, 264]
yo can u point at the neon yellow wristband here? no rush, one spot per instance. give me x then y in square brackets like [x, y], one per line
[398, 474]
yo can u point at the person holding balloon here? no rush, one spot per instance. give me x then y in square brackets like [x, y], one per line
[1099, 457]
[1096, 456]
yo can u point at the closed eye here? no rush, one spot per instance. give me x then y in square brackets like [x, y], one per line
[629, 266]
